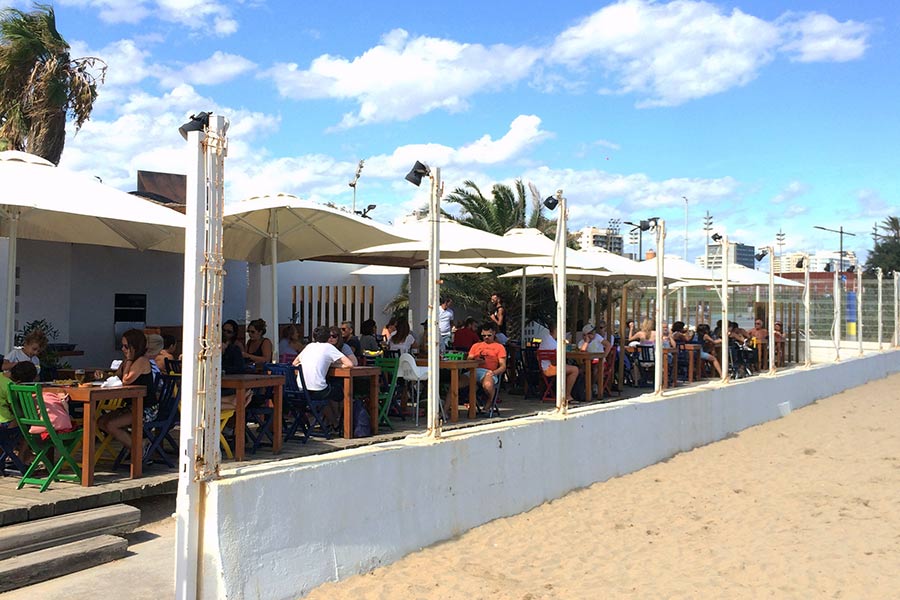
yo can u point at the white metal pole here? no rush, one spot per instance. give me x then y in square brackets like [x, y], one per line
[562, 402]
[273, 256]
[659, 370]
[859, 309]
[880, 276]
[434, 301]
[807, 345]
[522, 343]
[10, 327]
[771, 310]
[200, 382]
[724, 332]
[896, 334]
[836, 327]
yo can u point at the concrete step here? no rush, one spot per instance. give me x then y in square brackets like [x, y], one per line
[31, 536]
[60, 560]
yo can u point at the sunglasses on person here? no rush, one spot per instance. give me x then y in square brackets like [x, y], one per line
[332, 335]
[487, 335]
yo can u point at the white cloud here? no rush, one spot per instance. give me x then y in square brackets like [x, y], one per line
[679, 51]
[218, 68]
[197, 15]
[816, 37]
[405, 76]
[793, 190]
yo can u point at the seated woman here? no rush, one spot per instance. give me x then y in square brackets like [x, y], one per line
[32, 346]
[679, 334]
[290, 344]
[335, 339]
[402, 340]
[259, 348]
[367, 336]
[388, 330]
[167, 353]
[707, 353]
[232, 362]
[134, 370]
[645, 335]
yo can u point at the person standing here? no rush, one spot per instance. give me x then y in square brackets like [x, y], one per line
[445, 322]
[498, 313]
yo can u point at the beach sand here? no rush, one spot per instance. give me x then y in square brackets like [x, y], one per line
[807, 506]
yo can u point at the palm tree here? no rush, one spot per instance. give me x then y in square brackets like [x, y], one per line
[504, 210]
[891, 228]
[40, 84]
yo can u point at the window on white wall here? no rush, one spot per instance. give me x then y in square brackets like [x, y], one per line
[130, 312]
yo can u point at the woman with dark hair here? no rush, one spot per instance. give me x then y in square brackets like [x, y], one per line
[259, 348]
[707, 353]
[402, 339]
[389, 329]
[232, 360]
[134, 370]
[367, 336]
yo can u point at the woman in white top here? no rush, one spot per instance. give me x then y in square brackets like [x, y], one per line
[402, 339]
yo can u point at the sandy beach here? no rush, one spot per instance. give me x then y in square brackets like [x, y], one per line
[803, 507]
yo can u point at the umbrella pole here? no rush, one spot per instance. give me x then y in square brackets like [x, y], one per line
[11, 282]
[660, 369]
[434, 335]
[522, 327]
[273, 254]
[623, 306]
[723, 334]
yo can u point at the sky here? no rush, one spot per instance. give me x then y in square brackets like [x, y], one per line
[769, 115]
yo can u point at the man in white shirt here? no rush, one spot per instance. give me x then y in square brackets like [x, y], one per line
[592, 340]
[315, 360]
[445, 322]
[549, 343]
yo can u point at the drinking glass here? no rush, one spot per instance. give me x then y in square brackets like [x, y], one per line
[99, 375]
[79, 375]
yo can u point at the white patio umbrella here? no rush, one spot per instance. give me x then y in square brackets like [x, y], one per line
[457, 242]
[39, 201]
[279, 228]
[446, 269]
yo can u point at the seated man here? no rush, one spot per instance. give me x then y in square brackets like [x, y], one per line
[549, 369]
[592, 341]
[315, 360]
[466, 336]
[492, 355]
[759, 332]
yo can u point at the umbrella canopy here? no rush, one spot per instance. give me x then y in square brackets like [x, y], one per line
[741, 275]
[446, 269]
[456, 242]
[299, 229]
[39, 201]
[53, 204]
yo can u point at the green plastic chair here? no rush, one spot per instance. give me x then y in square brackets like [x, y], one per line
[388, 368]
[29, 408]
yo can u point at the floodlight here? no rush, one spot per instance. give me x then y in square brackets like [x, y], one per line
[716, 237]
[418, 171]
[198, 122]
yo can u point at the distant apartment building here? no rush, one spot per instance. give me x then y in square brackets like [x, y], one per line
[608, 239]
[787, 263]
[740, 254]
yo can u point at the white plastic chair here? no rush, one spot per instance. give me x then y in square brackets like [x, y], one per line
[408, 370]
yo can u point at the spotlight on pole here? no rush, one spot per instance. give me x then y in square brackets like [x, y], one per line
[198, 122]
[418, 171]
[717, 237]
[761, 254]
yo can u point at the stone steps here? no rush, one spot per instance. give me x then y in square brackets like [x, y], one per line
[42, 549]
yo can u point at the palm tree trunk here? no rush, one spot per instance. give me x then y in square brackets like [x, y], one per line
[47, 137]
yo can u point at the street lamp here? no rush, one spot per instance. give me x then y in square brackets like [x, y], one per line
[352, 184]
[842, 233]
[641, 227]
[559, 281]
[415, 176]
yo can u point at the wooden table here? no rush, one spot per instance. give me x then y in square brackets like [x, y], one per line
[665, 370]
[90, 396]
[586, 358]
[348, 374]
[242, 383]
[455, 366]
[762, 354]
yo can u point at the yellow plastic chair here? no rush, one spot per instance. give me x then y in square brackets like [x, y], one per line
[226, 414]
[104, 440]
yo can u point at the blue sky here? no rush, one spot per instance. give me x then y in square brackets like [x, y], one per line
[766, 114]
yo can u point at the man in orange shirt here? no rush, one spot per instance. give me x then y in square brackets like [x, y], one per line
[492, 355]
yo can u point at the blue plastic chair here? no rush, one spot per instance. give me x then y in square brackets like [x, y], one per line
[157, 431]
[296, 402]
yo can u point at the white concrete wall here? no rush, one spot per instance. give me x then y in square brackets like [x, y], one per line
[278, 530]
